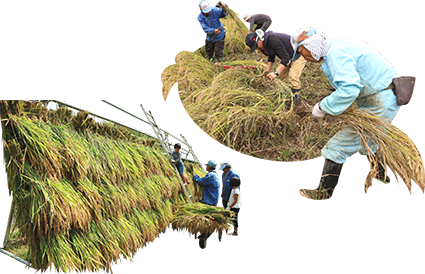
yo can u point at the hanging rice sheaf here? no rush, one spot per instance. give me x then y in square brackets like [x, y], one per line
[201, 218]
[85, 193]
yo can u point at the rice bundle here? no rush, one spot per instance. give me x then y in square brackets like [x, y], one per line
[256, 117]
[82, 199]
[201, 218]
[395, 148]
[236, 31]
[192, 169]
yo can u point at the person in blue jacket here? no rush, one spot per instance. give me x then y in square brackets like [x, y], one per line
[228, 174]
[210, 183]
[358, 72]
[209, 18]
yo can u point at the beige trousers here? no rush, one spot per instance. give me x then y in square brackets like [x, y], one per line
[293, 73]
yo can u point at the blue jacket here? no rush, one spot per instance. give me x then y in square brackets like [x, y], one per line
[226, 183]
[212, 22]
[211, 186]
[357, 71]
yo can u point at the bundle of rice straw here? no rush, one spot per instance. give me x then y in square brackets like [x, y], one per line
[255, 117]
[201, 218]
[396, 149]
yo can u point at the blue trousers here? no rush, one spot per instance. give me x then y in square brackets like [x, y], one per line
[347, 142]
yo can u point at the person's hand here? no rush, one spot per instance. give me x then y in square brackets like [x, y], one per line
[217, 31]
[317, 112]
[330, 118]
[223, 6]
[271, 75]
[265, 73]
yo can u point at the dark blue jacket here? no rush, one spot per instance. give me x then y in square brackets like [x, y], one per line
[212, 22]
[278, 44]
[211, 186]
[226, 183]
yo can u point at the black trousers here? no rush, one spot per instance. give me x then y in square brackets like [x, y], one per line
[225, 203]
[215, 47]
[235, 219]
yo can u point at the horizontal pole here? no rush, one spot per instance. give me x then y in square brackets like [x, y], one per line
[15, 257]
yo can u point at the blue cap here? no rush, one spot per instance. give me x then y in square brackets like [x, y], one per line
[211, 163]
[294, 37]
[204, 6]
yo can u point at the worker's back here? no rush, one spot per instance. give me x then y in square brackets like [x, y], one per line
[345, 55]
[212, 189]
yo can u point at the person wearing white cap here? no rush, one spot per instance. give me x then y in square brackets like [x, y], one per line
[209, 18]
[228, 174]
[261, 21]
[210, 183]
[358, 72]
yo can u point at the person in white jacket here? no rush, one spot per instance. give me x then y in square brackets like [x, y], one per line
[235, 202]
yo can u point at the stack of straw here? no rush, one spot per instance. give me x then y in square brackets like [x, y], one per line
[85, 194]
[201, 218]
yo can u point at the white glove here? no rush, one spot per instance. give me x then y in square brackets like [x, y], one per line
[317, 112]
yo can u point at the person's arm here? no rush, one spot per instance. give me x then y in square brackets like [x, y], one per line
[269, 68]
[204, 181]
[224, 10]
[205, 26]
[235, 200]
[346, 80]
[251, 24]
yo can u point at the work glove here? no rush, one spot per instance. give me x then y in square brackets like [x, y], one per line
[317, 112]
[295, 94]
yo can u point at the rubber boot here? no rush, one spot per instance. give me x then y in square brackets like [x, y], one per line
[330, 176]
[381, 170]
[295, 94]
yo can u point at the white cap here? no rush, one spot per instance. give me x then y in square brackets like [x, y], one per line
[224, 165]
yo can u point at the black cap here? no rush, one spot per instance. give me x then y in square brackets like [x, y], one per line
[250, 41]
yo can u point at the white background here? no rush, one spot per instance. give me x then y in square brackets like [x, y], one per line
[77, 49]
[111, 49]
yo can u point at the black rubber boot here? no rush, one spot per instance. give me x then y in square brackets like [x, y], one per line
[330, 175]
[295, 94]
[381, 170]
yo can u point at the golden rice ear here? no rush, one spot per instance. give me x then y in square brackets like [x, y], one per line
[302, 37]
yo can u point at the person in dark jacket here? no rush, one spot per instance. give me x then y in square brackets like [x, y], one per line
[210, 183]
[279, 44]
[209, 18]
[262, 21]
[228, 174]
